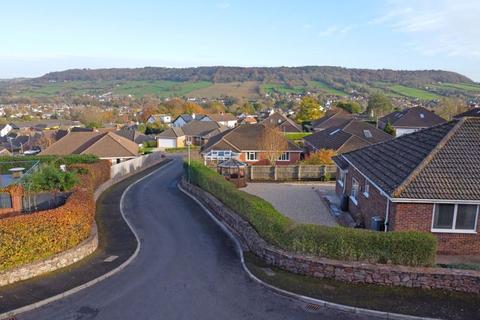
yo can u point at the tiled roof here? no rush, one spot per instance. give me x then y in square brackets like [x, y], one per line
[474, 112]
[415, 117]
[242, 138]
[349, 136]
[221, 117]
[442, 162]
[333, 118]
[101, 144]
[279, 120]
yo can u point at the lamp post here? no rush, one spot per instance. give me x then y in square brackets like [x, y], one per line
[189, 143]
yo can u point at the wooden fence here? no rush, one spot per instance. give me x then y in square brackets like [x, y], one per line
[290, 172]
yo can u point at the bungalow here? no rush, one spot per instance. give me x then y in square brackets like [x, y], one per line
[183, 119]
[244, 142]
[224, 119]
[105, 145]
[332, 118]
[159, 118]
[196, 131]
[424, 181]
[284, 123]
[410, 120]
[351, 135]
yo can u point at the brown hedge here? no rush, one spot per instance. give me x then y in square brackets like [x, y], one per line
[28, 238]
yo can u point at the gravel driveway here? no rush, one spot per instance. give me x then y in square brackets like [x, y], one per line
[300, 201]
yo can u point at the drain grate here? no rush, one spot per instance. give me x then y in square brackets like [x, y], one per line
[110, 259]
[312, 307]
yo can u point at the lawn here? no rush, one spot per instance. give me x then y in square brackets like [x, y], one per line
[296, 135]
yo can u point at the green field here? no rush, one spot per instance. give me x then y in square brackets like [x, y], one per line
[326, 88]
[413, 92]
[459, 86]
[161, 89]
[282, 89]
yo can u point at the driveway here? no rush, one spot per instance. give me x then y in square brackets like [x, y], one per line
[300, 201]
[187, 268]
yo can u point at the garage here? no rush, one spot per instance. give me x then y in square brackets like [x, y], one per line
[167, 143]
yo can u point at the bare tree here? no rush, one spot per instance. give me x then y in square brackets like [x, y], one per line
[273, 143]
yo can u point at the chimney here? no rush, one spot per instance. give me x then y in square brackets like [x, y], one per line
[193, 116]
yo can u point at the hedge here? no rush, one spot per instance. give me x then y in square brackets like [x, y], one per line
[405, 248]
[28, 238]
[67, 159]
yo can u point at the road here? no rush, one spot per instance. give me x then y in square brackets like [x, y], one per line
[187, 268]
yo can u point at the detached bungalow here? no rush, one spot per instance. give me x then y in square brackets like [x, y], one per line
[333, 118]
[424, 181]
[350, 136]
[244, 143]
[284, 123]
[105, 145]
[410, 120]
[224, 119]
[196, 131]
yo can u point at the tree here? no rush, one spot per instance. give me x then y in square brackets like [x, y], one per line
[273, 143]
[449, 107]
[321, 157]
[215, 107]
[192, 107]
[379, 105]
[350, 106]
[389, 128]
[310, 109]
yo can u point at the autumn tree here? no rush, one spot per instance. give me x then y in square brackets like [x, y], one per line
[191, 108]
[349, 106]
[273, 143]
[449, 107]
[310, 109]
[215, 107]
[379, 105]
[320, 157]
[389, 129]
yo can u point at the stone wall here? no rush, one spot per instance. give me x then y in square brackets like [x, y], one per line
[357, 272]
[58, 261]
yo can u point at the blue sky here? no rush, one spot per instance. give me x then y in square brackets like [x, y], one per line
[41, 36]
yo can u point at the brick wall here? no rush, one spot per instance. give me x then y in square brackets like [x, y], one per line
[418, 216]
[357, 272]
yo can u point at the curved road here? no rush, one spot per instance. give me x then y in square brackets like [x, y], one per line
[187, 268]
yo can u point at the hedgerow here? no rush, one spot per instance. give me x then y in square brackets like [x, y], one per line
[28, 238]
[404, 248]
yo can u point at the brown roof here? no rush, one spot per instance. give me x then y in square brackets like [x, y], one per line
[474, 112]
[416, 117]
[221, 117]
[242, 138]
[101, 144]
[332, 118]
[441, 162]
[350, 136]
[283, 122]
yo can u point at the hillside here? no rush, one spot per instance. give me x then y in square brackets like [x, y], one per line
[248, 83]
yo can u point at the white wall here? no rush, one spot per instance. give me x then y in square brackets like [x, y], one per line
[129, 166]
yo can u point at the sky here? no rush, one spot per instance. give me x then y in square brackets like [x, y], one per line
[37, 37]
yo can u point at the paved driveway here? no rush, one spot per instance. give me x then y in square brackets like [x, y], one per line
[187, 268]
[300, 201]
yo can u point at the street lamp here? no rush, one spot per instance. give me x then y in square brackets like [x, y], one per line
[189, 143]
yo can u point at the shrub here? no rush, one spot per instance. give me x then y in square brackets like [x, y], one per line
[49, 177]
[321, 157]
[406, 248]
[29, 238]
[68, 159]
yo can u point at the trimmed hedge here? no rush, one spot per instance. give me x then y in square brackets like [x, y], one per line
[28, 238]
[67, 159]
[404, 248]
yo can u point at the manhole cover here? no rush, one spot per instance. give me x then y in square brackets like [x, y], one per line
[269, 272]
[312, 307]
[110, 259]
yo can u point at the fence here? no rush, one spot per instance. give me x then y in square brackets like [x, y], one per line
[290, 172]
[130, 166]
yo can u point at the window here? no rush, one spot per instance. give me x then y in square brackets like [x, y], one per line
[252, 156]
[455, 218]
[367, 134]
[284, 157]
[5, 200]
[341, 180]
[366, 189]
[354, 192]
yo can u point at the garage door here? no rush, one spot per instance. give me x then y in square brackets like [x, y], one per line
[167, 143]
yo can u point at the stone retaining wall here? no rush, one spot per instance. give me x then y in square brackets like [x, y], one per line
[357, 272]
[58, 261]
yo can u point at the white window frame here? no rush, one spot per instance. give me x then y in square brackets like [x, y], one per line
[255, 156]
[354, 198]
[343, 176]
[284, 157]
[454, 222]
[366, 189]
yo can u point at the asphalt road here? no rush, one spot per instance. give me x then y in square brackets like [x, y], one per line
[187, 268]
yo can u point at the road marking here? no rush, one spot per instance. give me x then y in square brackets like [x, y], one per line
[111, 258]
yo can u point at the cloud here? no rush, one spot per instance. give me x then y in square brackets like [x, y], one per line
[334, 31]
[444, 27]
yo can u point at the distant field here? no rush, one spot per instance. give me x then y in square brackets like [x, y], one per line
[413, 92]
[247, 89]
[161, 89]
[459, 86]
[282, 89]
[326, 88]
